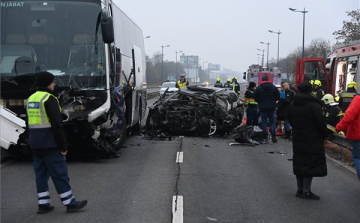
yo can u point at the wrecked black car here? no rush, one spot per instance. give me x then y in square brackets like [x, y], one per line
[196, 111]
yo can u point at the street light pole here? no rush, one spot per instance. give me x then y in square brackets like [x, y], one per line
[162, 63]
[278, 33]
[267, 60]
[176, 77]
[303, 12]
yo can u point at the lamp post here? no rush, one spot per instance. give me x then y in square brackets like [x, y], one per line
[262, 63]
[267, 60]
[303, 12]
[162, 62]
[176, 63]
[278, 33]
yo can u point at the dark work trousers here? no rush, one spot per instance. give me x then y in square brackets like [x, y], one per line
[251, 116]
[304, 183]
[54, 165]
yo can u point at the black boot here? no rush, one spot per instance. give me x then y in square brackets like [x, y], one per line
[298, 193]
[44, 209]
[73, 208]
[286, 135]
[309, 195]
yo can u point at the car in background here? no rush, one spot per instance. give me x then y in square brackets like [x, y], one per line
[166, 85]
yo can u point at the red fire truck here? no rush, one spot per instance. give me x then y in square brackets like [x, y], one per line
[339, 69]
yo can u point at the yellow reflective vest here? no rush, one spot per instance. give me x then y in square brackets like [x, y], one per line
[40, 133]
[181, 85]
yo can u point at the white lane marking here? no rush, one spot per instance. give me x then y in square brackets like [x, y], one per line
[179, 157]
[177, 209]
[341, 164]
[6, 163]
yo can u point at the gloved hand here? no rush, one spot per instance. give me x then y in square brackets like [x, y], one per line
[342, 133]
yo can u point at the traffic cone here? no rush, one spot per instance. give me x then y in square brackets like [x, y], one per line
[244, 119]
[279, 131]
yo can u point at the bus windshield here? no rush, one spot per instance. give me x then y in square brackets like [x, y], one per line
[61, 37]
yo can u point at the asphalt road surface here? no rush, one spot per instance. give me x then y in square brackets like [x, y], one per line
[186, 180]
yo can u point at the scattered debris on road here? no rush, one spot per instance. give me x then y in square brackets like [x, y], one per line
[247, 135]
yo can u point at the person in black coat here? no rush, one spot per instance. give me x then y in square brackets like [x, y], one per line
[283, 105]
[309, 132]
[266, 95]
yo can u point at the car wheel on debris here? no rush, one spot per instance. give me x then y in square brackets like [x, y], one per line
[214, 126]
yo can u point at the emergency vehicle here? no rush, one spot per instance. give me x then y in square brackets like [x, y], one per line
[337, 72]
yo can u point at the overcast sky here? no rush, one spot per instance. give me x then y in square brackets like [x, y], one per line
[228, 32]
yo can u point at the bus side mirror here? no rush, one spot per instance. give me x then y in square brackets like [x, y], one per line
[107, 27]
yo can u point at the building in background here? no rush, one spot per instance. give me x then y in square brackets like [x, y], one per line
[191, 66]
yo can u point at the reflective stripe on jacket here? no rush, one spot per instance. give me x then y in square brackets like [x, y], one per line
[41, 135]
[250, 100]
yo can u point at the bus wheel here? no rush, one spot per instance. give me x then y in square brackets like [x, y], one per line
[119, 141]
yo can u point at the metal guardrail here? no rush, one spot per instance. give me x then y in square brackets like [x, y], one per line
[340, 140]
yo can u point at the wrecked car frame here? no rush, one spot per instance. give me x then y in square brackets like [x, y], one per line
[196, 110]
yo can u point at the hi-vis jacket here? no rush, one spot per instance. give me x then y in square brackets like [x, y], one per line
[180, 84]
[249, 98]
[44, 121]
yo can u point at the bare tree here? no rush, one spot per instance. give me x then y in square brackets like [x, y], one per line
[350, 30]
[318, 48]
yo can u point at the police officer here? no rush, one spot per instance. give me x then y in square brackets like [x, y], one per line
[235, 85]
[251, 110]
[347, 96]
[332, 112]
[317, 91]
[48, 144]
[182, 82]
[218, 83]
[228, 83]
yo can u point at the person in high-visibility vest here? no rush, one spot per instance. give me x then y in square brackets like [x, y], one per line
[251, 104]
[182, 82]
[347, 96]
[235, 85]
[48, 144]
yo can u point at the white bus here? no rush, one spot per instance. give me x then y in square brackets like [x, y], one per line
[91, 47]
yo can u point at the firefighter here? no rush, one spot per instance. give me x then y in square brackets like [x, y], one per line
[235, 85]
[347, 96]
[48, 144]
[251, 104]
[228, 83]
[218, 83]
[332, 112]
[182, 82]
[317, 91]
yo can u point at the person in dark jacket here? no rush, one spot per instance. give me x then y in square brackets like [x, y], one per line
[332, 112]
[235, 85]
[283, 105]
[347, 96]
[251, 110]
[228, 83]
[309, 132]
[266, 95]
[218, 83]
[317, 91]
[48, 144]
